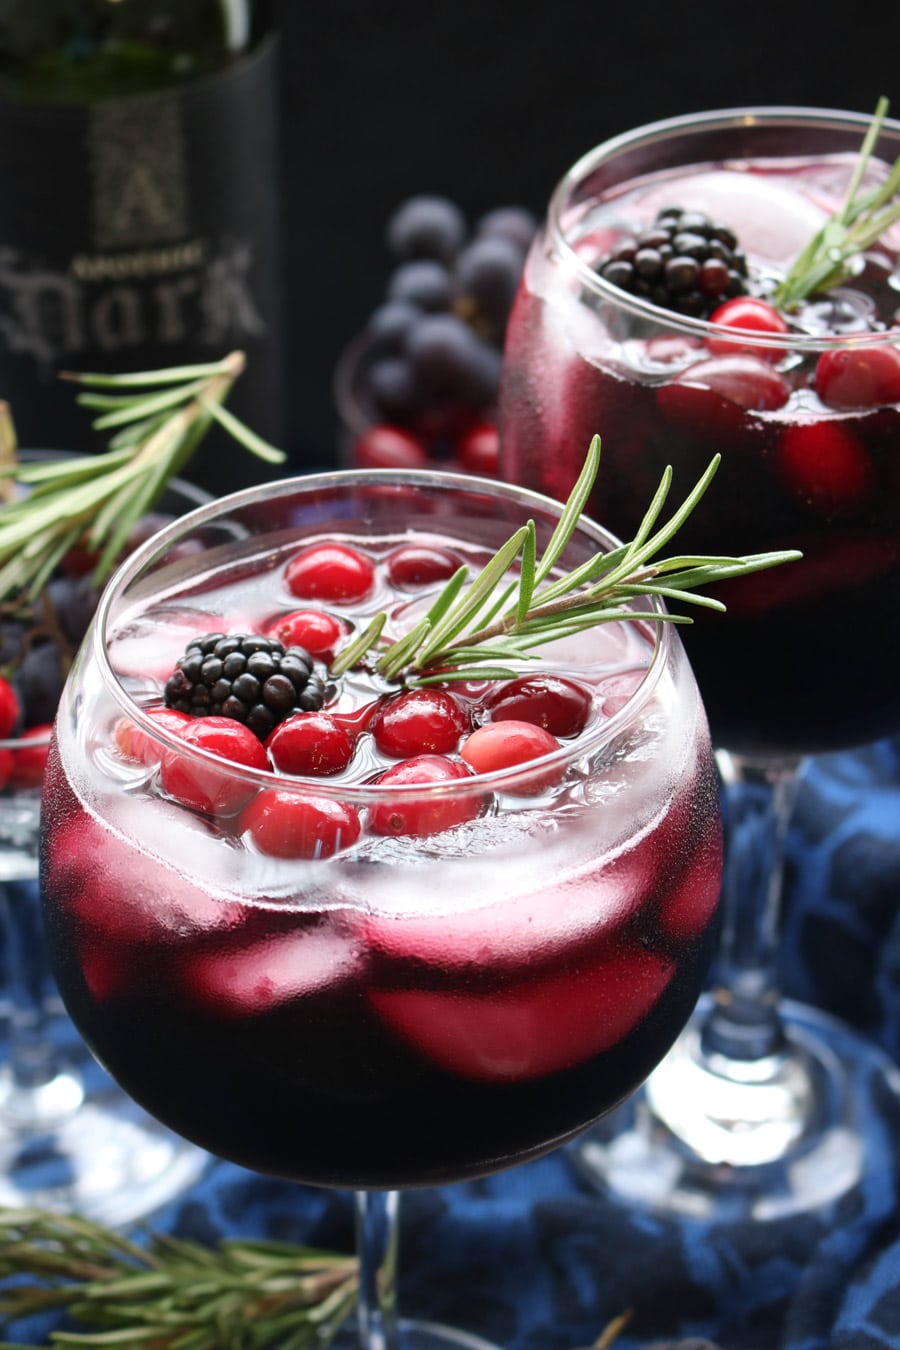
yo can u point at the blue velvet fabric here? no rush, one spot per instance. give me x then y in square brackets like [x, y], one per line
[533, 1261]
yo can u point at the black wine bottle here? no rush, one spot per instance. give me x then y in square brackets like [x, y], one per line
[139, 207]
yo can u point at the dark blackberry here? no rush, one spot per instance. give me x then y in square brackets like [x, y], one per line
[684, 262]
[255, 680]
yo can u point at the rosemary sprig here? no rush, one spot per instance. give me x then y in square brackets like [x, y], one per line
[158, 419]
[474, 628]
[171, 1294]
[859, 222]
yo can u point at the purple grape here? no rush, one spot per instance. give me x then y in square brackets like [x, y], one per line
[451, 363]
[486, 279]
[424, 283]
[426, 227]
[40, 680]
[515, 223]
[391, 383]
[389, 324]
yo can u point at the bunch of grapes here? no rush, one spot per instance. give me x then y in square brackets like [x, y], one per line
[420, 386]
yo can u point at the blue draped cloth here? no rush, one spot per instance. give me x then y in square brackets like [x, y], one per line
[532, 1260]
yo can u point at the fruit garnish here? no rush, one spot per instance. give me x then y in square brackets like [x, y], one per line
[253, 679]
[158, 419]
[310, 745]
[475, 628]
[684, 262]
[865, 215]
[333, 572]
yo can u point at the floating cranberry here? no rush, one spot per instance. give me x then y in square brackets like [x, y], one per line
[288, 824]
[419, 721]
[387, 447]
[747, 314]
[316, 632]
[310, 745]
[334, 572]
[479, 450]
[421, 564]
[825, 465]
[428, 814]
[549, 701]
[211, 788]
[745, 380]
[858, 377]
[10, 709]
[137, 744]
[505, 745]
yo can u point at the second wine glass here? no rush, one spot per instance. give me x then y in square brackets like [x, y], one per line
[633, 322]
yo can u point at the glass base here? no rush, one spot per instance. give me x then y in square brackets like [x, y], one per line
[790, 1134]
[414, 1335]
[105, 1159]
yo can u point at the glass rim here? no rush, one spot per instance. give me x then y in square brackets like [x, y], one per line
[696, 123]
[659, 633]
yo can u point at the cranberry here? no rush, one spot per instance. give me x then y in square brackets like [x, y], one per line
[549, 701]
[479, 451]
[427, 814]
[10, 709]
[420, 564]
[288, 824]
[134, 743]
[748, 314]
[29, 758]
[858, 377]
[824, 464]
[310, 745]
[745, 380]
[419, 721]
[211, 788]
[314, 630]
[6, 767]
[333, 572]
[503, 745]
[386, 447]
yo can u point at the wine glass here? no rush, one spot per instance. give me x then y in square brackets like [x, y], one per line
[756, 1110]
[374, 972]
[70, 1139]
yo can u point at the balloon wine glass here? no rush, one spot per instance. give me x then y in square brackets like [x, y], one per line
[330, 925]
[684, 296]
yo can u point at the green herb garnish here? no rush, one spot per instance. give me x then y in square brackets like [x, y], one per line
[474, 627]
[830, 256]
[171, 1294]
[157, 419]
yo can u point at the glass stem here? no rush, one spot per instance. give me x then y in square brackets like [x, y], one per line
[759, 799]
[36, 1090]
[376, 1245]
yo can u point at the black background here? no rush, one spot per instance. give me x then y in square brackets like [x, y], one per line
[489, 103]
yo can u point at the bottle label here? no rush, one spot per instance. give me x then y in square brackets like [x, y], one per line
[140, 233]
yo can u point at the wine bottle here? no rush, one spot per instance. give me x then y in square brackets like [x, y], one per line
[139, 209]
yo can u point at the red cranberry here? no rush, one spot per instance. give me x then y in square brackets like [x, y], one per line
[420, 565]
[428, 814]
[479, 451]
[10, 709]
[134, 743]
[287, 824]
[310, 745]
[419, 721]
[825, 465]
[317, 632]
[211, 788]
[386, 447]
[30, 757]
[858, 377]
[334, 572]
[751, 315]
[504, 745]
[549, 701]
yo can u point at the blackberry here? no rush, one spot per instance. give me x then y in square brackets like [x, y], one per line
[684, 262]
[253, 679]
